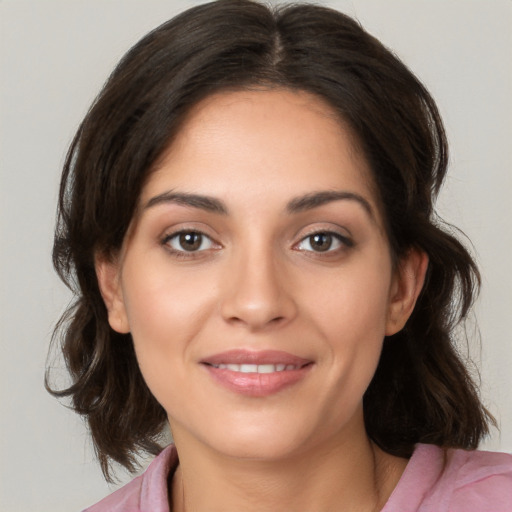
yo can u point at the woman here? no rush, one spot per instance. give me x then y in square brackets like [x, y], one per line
[247, 214]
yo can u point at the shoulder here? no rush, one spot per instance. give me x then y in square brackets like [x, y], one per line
[145, 493]
[453, 480]
[481, 480]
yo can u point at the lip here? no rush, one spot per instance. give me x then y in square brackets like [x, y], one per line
[256, 384]
[242, 356]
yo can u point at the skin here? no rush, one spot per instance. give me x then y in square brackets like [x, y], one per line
[257, 281]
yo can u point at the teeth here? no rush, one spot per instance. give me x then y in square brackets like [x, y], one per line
[256, 368]
[248, 368]
[266, 368]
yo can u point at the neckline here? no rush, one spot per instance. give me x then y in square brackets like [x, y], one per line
[420, 474]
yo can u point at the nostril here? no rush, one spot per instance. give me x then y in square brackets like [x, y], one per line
[257, 323]
[256, 304]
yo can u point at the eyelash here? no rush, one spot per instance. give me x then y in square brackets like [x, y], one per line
[344, 241]
[183, 253]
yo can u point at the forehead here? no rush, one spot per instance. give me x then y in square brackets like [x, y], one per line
[262, 142]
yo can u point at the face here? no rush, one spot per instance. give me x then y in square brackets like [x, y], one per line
[256, 278]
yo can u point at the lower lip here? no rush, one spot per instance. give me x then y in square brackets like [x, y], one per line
[257, 384]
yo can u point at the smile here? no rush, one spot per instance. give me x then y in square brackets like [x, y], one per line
[257, 368]
[256, 373]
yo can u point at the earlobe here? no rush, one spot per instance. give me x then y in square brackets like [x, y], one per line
[406, 287]
[107, 273]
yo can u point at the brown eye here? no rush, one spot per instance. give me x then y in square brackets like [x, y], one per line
[188, 241]
[320, 242]
[324, 241]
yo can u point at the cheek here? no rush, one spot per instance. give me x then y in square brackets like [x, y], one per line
[161, 303]
[165, 313]
[355, 300]
[356, 334]
[352, 315]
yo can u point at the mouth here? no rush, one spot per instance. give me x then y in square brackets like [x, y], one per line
[256, 368]
[256, 373]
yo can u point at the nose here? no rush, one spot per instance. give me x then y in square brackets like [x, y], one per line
[257, 292]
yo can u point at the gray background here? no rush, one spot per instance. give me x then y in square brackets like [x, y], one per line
[55, 55]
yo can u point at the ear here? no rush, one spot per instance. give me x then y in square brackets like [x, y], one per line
[406, 286]
[108, 275]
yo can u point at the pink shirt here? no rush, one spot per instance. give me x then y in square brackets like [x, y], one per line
[435, 480]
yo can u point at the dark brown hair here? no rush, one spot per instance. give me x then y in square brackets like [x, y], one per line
[422, 391]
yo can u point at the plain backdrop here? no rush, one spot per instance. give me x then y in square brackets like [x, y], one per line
[55, 55]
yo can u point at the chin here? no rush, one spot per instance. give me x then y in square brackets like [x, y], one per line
[261, 447]
[260, 438]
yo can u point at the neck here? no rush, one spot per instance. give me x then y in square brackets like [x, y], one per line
[354, 476]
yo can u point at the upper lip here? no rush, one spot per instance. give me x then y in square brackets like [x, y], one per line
[243, 356]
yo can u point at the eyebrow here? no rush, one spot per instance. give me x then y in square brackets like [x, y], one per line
[316, 199]
[210, 204]
[296, 205]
